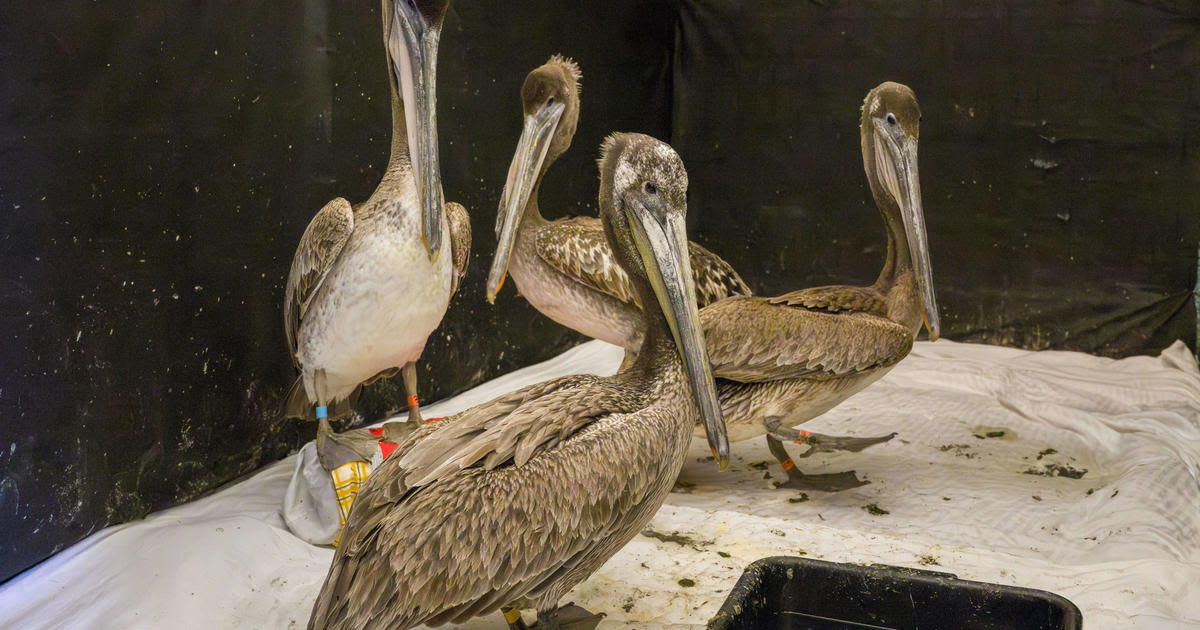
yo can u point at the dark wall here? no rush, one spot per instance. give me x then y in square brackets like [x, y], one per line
[1059, 156]
[159, 161]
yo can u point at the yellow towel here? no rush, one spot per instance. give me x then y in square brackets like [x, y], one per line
[347, 480]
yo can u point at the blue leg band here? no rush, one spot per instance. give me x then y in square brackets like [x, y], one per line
[322, 412]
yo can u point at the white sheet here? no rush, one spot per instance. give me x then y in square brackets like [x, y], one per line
[1122, 542]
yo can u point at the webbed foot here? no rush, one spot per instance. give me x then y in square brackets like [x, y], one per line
[830, 443]
[338, 449]
[568, 617]
[827, 482]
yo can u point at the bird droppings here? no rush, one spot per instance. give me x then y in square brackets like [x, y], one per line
[675, 537]
[800, 499]
[960, 450]
[927, 559]
[1057, 470]
[759, 465]
[875, 510]
[723, 554]
[1046, 451]
[994, 433]
[1037, 498]
[687, 582]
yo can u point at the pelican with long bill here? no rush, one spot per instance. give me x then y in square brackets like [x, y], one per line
[508, 505]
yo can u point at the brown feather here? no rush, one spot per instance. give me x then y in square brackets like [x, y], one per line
[460, 242]
[837, 299]
[752, 339]
[320, 245]
[577, 248]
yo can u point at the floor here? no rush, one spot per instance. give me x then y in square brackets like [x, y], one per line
[1051, 470]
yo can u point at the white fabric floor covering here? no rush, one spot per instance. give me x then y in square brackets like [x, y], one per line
[1122, 542]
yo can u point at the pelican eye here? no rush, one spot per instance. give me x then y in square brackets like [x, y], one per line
[651, 188]
[550, 101]
[891, 120]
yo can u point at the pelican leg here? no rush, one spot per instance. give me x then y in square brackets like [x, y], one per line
[408, 374]
[818, 443]
[329, 451]
[829, 482]
[567, 617]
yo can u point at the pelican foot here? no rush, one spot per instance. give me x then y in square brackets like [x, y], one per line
[338, 449]
[828, 482]
[830, 443]
[397, 431]
[819, 442]
[568, 617]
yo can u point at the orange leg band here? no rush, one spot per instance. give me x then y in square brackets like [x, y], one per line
[412, 400]
[787, 464]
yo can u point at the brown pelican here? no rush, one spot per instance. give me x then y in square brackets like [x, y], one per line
[511, 503]
[369, 283]
[565, 268]
[782, 361]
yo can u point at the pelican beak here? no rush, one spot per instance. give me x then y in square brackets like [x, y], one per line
[661, 240]
[412, 45]
[523, 173]
[898, 166]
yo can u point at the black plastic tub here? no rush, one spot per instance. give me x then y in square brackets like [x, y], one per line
[788, 593]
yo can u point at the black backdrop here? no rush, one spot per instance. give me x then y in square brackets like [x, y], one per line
[159, 161]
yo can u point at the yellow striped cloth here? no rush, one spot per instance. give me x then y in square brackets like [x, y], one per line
[347, 480]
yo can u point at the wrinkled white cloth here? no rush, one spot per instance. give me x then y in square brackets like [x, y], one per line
[310, 507]
[1122, 541]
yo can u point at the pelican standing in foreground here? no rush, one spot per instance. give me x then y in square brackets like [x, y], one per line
[565, 268]
[782, 361]
[369, 283]
[511, 503]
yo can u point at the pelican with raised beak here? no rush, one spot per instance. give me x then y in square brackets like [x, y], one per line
[370, 282]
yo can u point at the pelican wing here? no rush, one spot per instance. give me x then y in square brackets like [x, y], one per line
[751, 340]
[836, 298]
[715, 278]
[578, 249]
[439, 449]
[460, 241]
[514, 431]
[516, 492]
[323, 240]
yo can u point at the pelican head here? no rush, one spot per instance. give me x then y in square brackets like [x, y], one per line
[411, 31]
[550, 99]
[891, 124]
[643, 206]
